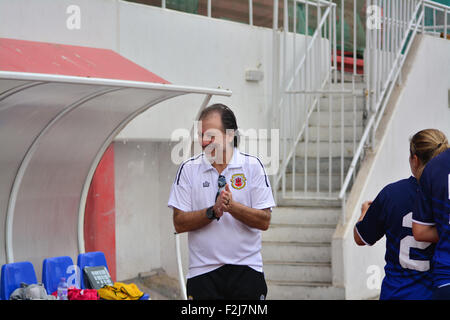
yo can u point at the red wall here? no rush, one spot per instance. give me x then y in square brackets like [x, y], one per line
[100, 214]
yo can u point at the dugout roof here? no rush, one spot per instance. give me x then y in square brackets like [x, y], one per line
[60, 108]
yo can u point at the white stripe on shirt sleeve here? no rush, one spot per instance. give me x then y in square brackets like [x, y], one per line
[365, 242]
[424, 223]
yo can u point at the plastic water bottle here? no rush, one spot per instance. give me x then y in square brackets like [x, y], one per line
[62, 289]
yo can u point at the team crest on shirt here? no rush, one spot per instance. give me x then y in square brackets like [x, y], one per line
[238, 181]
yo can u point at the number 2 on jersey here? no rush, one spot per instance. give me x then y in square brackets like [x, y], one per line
[409, 242]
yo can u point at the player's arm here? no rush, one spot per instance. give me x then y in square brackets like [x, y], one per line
[423, 225]
[365, 206]
[254, 218]
[422, 232]
[370, 226]
[357, 238]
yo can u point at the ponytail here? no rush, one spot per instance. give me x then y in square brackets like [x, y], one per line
[428, 143]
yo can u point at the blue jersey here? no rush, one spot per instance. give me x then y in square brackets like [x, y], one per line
[433, 208]
[407, 267]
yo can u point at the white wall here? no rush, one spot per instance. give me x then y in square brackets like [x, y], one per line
[422, 103]
[46, 21]
[144, 231]
[199, 51]
[137, 225]
[184, 49]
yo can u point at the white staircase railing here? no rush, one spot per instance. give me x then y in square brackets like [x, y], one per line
[308, 77]
[387, 47]
[306, 81]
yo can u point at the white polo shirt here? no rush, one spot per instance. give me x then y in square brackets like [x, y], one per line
[227, 241]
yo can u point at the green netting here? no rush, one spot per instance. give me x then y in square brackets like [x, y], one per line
[301, 20]
[446, 2]
[189, 6]
[348, 24]
[437, 17]
[262, 16]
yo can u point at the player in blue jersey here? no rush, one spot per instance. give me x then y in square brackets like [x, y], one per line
[431, 217]
[407, 270]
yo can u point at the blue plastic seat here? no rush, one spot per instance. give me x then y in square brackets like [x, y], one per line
[55, 268]
[95, 259]
[13, 274]
[90, 259]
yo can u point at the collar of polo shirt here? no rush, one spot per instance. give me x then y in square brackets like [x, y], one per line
[235, 162]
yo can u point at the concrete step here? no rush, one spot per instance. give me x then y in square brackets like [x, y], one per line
[324, 164]
[297, 271]
[296, 251]
[289, 290]
[305, 215]
[347, 118]
[299, 233]
[308, 199]
[350, 102]
[324, 192]
[337, 133]
[347, 86]
[324, 149]
[349, 76]
[312, 180]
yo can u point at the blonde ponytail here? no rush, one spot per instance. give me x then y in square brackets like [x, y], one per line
[428, 143]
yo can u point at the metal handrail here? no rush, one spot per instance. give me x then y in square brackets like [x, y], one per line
[311, 43]
[440, 7]
[209, 9]
[297, 139]
[437, 5]
[394, 74]
[180, 267]
[298, 68]
[370, 128]
[390, 45]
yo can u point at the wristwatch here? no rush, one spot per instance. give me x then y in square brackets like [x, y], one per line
[210, 213]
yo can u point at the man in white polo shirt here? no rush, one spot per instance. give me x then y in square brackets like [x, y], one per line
[224, 226]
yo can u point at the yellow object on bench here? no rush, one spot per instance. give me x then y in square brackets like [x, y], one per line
[120, 291]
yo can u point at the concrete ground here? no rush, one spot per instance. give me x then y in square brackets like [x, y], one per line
[158, 284]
